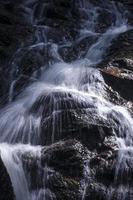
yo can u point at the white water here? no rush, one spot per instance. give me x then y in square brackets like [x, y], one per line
[13, 157]
[20, 128]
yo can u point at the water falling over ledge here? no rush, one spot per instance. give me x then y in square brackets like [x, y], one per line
[65, 100]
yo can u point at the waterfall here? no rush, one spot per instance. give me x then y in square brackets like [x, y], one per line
[58, 85]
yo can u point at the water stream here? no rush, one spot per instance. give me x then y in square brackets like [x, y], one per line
[20, 121]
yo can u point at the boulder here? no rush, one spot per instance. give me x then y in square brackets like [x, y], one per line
[120, 80]
[71, 171]
[71, 117]
[59, 169]
[121, 49]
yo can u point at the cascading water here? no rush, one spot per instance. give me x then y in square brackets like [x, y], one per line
[40, 104]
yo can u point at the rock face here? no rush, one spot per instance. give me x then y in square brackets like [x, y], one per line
[21, 26]
[70, 118]
[67, 163]
[6, 190]
[67, 159]
[121, 80]
[61, 166]
[73, 172]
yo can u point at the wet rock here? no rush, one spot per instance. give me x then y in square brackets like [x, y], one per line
[60, 155]
[68, 161]
[70, 117]
[108, 182]
[61, 168]
[121, 49]
[105, 19]
[11, 38]
[48, 22]
[129, 7]
[110, 176]
[120, 80]
[123, 63]
[78, 49]
[22, 26]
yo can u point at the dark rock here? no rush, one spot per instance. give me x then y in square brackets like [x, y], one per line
[110, 175]
[104, 21]
[11, 38]
[66, 154]
[28, 31]
[59, 169]
[122, 63]
[120, 80]
[121, 49]
[78, 49]
[67, 159]
[70, 117]
[51, 22]
[17, 35]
